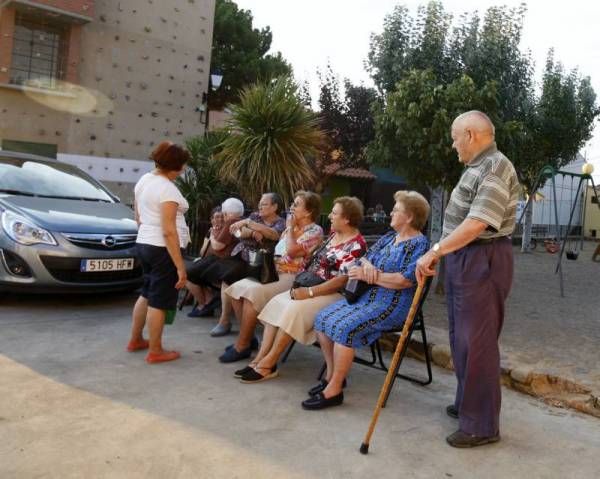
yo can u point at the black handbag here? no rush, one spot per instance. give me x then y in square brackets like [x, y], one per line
[268, 270]
[261, 265]
[307, 279]
[354, 289]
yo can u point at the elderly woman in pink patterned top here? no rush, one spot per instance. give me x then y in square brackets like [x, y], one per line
[290, 315]
[249, 296]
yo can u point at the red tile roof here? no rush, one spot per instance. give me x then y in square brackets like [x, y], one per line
[335, 169]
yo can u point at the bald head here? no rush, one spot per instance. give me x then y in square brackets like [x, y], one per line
[476, 121]
[472, 132]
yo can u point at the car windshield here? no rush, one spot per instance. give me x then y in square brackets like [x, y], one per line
[49, 180]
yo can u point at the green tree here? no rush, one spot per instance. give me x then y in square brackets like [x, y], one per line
[202, 185]
[348, 121]
[304, 94]
[491, 52]
[239, 53]
[534, 127]
[560, 124]
[408, 43]
[555, 131]
[478, 61]
[331, 107]
[413, 129]
[359, 122]
[273, 135]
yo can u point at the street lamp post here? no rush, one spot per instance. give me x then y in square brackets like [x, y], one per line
[214, 84]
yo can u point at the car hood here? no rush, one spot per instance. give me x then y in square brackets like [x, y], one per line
[73, 216]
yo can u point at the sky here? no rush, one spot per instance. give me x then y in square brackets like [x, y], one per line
[311, 33]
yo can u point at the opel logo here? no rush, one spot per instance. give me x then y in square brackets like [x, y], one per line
[109, 241]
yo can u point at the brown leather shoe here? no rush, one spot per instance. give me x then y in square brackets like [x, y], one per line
[463, 440]
[452, 411]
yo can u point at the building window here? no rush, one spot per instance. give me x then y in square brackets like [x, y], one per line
[39, 52]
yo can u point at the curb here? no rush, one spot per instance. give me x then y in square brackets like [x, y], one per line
[554, 390]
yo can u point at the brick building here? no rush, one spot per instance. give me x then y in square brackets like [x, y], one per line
[98, 83]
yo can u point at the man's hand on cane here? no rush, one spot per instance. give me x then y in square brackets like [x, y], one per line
[426, 266]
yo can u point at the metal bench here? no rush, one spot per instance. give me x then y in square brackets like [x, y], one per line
[376, 361]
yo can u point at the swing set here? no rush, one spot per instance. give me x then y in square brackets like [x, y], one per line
[563, 243]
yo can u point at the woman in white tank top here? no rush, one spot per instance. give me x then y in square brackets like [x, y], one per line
[162, 234]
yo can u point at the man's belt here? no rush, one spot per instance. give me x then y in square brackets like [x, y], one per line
[481, 241]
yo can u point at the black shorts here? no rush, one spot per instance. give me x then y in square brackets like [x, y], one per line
[205, 271]
[212, 271]
[160, 276]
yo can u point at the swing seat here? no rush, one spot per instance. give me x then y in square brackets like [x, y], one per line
[572, 255]
[551, 246]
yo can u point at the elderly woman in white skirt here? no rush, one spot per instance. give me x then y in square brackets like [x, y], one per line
[290, 315]
[301, 236]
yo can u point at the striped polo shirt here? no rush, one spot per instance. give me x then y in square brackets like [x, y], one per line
[488, 191]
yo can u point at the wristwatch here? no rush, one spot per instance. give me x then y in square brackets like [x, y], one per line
[436, 250]
[311, 292]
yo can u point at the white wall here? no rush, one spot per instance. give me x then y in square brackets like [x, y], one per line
[566, 189]
[109, 169]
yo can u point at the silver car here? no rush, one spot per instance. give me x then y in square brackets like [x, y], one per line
[61, 230]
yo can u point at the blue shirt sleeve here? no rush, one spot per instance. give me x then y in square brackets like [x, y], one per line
[412, 252]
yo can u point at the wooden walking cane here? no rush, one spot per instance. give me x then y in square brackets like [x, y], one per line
[364, 447]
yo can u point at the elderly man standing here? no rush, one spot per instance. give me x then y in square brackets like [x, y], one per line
[479, 219]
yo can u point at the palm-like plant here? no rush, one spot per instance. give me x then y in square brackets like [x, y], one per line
[272, 134]
[202, 185]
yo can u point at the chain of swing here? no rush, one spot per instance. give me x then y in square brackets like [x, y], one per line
[562, 242]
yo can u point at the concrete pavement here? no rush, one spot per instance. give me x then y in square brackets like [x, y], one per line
[74, 404]
[549, 343]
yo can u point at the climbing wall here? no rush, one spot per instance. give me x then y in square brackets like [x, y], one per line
[146, 64]
[151, 59]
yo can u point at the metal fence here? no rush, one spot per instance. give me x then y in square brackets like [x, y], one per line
[548, 231]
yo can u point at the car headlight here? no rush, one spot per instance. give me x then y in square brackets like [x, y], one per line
[24, 231]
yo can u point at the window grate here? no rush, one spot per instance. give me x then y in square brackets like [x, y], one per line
[39, 52]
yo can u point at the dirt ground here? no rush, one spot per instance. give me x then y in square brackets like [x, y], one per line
[542, 330]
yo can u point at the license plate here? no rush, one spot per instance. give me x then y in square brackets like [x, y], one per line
[113, 264]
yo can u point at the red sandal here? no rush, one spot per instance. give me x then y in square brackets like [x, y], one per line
[137, 345]
[162, 357]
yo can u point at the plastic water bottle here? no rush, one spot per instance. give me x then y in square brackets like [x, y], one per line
[170, 316]
[352, 284]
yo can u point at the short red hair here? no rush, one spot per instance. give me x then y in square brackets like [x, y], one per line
[170, 157]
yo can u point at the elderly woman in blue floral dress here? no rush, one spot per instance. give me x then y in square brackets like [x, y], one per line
[389, 266]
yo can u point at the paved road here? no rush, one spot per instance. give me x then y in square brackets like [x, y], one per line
[74, 404]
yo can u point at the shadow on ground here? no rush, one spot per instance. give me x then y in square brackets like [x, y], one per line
[236, 430]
